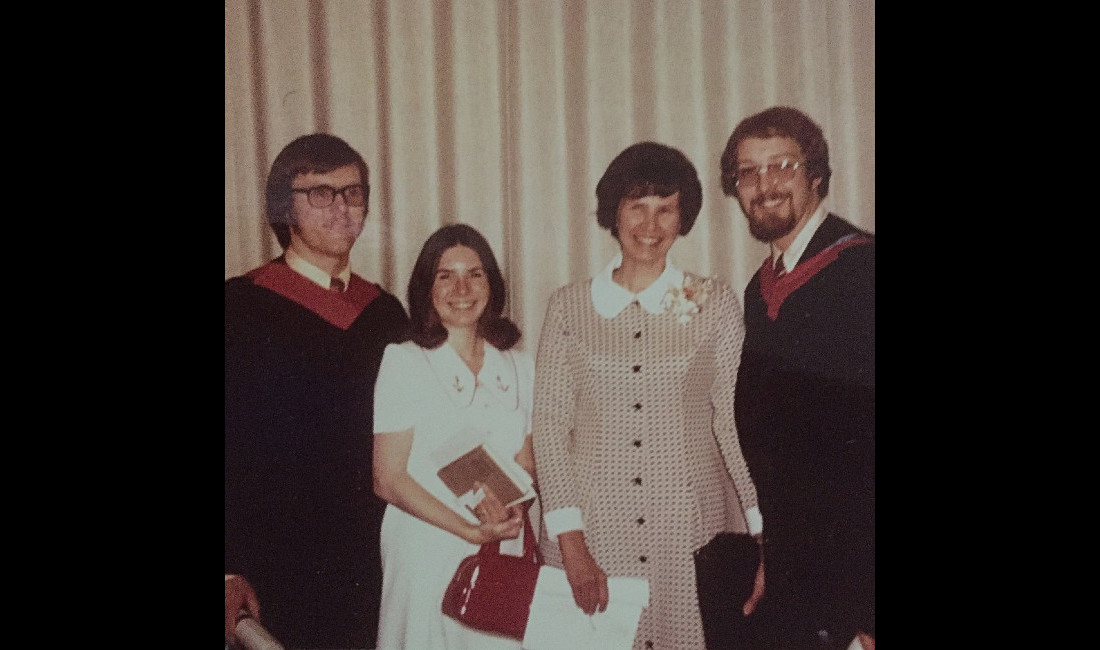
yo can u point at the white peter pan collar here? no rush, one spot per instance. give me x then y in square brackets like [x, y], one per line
[610, 298]
[498, 377]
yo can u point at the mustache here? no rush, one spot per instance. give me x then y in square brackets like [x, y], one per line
[760, 200]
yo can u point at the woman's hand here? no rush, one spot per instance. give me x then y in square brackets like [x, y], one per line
[588, 580]
[488, 531]
[490, 510]
[497, 520]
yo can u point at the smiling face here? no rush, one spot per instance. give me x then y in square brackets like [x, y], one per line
[460, 291]
[776, 210]
[324, 236]
[648, 227]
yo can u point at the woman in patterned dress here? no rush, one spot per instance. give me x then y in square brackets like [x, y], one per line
[635, 446]
[459, 373]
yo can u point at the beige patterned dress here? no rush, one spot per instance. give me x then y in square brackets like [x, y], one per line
[633, 425]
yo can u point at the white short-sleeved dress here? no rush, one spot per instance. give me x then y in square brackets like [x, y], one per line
[435, 393]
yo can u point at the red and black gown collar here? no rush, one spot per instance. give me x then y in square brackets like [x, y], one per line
[339, 309]
[775, 290]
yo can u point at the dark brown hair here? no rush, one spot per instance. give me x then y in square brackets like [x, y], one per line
[780, 122]
[425, 327]
[318, 153]
[648, 169]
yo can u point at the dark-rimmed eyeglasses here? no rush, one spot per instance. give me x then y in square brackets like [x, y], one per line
[322, 196]
[782, 172]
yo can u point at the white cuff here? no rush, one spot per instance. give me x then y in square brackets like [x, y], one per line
[563, 520]
[754, 520]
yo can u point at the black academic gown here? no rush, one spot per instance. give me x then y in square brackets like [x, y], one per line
[301, 518]
[805, 412]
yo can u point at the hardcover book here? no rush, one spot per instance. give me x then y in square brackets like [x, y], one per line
[479, 463]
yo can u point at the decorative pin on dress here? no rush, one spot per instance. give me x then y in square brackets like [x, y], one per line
[686, 301]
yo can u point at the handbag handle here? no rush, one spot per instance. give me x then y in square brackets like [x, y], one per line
[530, 549]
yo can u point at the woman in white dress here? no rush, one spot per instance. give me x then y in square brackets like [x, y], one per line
[457, 375]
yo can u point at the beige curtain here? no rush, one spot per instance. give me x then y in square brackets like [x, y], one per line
[504, 114]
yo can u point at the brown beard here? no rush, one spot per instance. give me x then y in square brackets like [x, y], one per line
[771, 226]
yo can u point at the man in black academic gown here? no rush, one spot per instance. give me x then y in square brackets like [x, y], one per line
[303, 341]
[805, 396]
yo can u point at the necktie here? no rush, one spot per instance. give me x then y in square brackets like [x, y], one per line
[336, 284]
[780, 270]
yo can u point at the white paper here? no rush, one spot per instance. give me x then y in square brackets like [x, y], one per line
[556, 623]
[471, 498]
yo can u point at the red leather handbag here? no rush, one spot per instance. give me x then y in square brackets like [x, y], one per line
[492, 592]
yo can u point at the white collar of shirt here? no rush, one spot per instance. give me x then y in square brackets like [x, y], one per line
[610, 298]
[299, 264]
[498, 377]
[798, 246]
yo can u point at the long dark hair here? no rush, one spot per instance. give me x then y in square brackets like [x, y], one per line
[425, 327]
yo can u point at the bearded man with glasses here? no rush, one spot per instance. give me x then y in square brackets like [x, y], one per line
[805, 395]
[304, 337]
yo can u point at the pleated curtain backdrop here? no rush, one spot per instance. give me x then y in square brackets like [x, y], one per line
[505, 113]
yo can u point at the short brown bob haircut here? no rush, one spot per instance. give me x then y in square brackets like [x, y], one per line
[648, 169]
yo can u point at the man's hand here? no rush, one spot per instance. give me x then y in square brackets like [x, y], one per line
[239, 595]
[867, 641]
[757, 589]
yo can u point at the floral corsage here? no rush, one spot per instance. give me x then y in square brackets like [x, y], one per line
[686, 301]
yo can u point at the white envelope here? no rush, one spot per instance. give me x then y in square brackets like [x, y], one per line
[556, 623]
